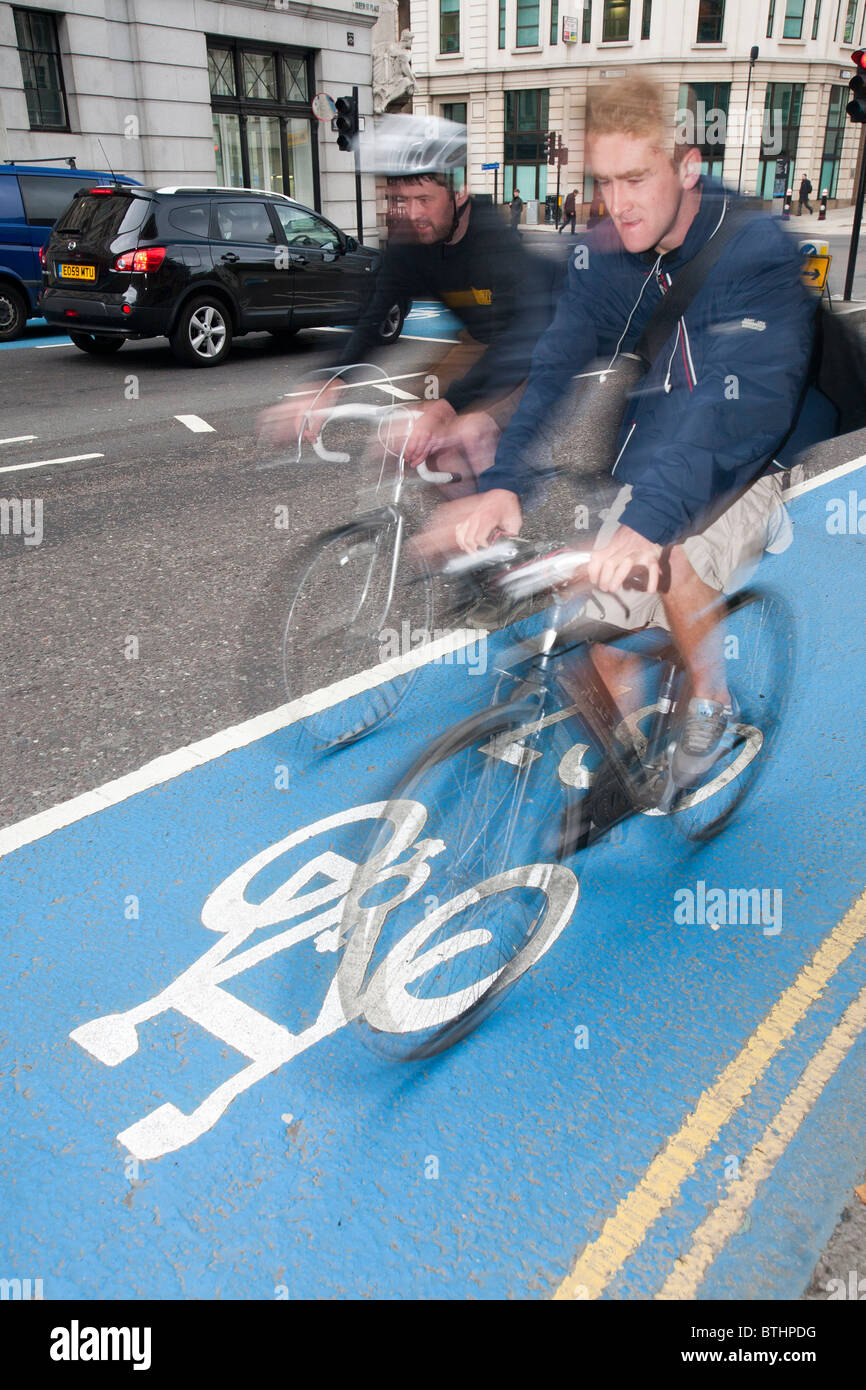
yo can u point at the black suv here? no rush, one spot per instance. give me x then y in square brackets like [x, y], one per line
[201, 266]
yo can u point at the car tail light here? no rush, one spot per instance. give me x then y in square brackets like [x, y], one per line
[150, 258]
[43, 259]
[101, 190]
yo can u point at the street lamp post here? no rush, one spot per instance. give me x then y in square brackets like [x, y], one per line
[753, 58]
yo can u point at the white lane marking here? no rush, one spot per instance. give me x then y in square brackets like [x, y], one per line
[422, 338]
[171, 765]
[46, 463]
[394, 391]
[350, 385]
[196, 424]
[820, 479]
[18, 439]
[411, 337]
[42, 346]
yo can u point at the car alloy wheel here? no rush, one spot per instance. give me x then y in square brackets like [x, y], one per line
[391, 324]
[207, 331]
[13, 313]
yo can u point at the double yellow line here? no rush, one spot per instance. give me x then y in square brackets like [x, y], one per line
[624, 1232]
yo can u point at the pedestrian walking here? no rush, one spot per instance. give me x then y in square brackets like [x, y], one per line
[569, 212]
[516, 208]
[805, 190]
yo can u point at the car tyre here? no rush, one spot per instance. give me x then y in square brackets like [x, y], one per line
[202, 336]
[392, 325]
[98, 344]
[13, 313]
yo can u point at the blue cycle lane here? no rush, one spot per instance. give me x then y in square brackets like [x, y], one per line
[186, 1113]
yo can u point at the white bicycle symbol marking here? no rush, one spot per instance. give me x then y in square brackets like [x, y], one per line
[384, 1000]
[200, 996]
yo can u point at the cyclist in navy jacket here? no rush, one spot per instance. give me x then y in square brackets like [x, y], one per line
[696, 448]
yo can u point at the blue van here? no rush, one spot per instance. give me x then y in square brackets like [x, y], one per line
[31, 200]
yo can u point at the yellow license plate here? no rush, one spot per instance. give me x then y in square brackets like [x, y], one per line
[77, 272]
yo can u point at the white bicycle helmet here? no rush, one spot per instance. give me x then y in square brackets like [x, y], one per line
[414, 145]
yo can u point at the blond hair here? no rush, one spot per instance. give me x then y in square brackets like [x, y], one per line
[639, 107]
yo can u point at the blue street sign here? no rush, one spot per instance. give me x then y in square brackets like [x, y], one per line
[490, 166]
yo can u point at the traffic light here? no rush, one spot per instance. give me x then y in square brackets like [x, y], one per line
[856, 107]
[548, 147]
[346, 121]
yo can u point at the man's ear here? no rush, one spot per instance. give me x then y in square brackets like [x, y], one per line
[461, 197]
[690, 168]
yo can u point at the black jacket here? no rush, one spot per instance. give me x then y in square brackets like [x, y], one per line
[502, 295]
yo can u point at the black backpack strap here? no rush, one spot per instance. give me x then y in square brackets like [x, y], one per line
[686, 284]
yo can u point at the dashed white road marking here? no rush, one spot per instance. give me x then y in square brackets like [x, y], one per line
[18, 439]
[394, 391]
[46, 463]
[349, 386]
[196, 424]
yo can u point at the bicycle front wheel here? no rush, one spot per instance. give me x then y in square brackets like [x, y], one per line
[353, 603]
[495, 899]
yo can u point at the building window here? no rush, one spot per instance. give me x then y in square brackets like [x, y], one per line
[817, 18]
[526, 124]
[456, 111]
[711, 19]
[587, 21]
[502, 23]
[771, 14]
[262, 126]
[39, 51]
[833, 137]
[836, 25]
[780, 137]
[554, 21]
[707, 103]
[793, 26]
[850, 21]
[527, 23]
[449, 26]
[615, 20]
[646, 19]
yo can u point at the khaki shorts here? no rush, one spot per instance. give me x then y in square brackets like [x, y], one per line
[724, 556]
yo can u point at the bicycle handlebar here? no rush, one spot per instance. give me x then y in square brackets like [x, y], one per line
[372, 412]
[549, 571]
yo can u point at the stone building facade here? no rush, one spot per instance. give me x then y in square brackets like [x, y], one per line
[519, 68]
[189, 91]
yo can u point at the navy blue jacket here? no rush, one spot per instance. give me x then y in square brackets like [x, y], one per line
[718, 399]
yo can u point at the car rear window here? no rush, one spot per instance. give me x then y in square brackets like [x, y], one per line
[101, 216]
[46, 195]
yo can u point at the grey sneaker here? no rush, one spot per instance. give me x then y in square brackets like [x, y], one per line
[708, 732]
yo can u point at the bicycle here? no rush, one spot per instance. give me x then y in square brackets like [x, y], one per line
[333, 600]
[510, 793]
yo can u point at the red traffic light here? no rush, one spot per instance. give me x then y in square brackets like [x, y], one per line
[856, 107]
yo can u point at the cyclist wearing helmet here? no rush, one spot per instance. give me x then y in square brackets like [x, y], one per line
[462, 254]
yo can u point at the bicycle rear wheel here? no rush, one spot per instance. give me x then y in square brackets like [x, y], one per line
[352, 602]
[497, 898]
[760, 651]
